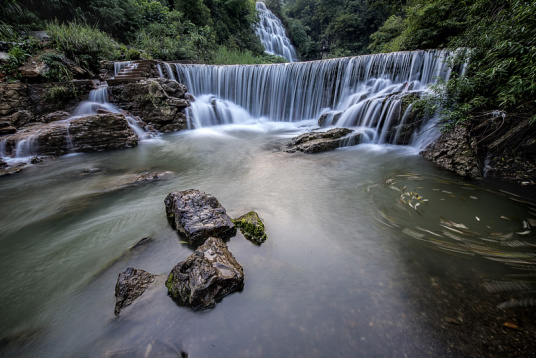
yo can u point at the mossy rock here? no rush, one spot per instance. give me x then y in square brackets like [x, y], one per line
[251, 227]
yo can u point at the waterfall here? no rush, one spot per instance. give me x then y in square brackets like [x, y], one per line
[363, 91]
[272, 34]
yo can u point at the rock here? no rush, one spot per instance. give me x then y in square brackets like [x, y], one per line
[158, 102]
[131, 284]
[92, 133]
[251, 227]
[329, 118]
[315, 142]
[456, 151]
[55, 116]
[3, 164]
[210, 273]
[101, 132]
[34, 69]
[198, 216]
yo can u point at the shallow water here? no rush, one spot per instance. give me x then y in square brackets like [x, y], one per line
[349, 267]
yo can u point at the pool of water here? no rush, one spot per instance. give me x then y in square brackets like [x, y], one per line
[362, 244]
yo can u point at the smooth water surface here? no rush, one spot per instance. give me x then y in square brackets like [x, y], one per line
[358, 240]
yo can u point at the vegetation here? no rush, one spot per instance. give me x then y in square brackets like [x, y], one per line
[500, 36]
[93, 30]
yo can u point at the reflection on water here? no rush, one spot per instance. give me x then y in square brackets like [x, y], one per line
[370, 251]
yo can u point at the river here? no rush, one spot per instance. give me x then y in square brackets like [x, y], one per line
[371, 251]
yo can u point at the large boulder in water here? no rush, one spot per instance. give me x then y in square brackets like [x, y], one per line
[315, 142]
[210, 273]
[131, 284]
[198, 216]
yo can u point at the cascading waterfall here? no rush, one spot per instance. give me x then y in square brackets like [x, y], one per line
[364, 91]
[272, 34]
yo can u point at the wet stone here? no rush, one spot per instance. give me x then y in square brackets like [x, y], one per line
[252, 227]
[207, 275]
[198, 216]
[316, 142]
[131, 284]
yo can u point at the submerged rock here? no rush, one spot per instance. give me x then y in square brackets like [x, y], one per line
[251, 227]
[210, 273]
[315, 142]
[198, 216]
[131, 284]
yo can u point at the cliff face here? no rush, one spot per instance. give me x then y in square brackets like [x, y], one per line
[497, 147]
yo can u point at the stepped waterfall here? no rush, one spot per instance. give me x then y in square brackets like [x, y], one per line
[365, 91]
[272, 34]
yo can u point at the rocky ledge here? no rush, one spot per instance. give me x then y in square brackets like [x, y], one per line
[497, 147]
[91, 133]
[207, 275]
[159, 102]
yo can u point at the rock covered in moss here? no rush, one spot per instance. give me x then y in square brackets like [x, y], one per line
[210, 273]
[252, 227]
[131, 284]
[198, 216]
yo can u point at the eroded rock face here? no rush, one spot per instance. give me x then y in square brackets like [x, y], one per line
[85, 134]
[456, 151]
[101, 132]
[158, 102]
[131, 284]
[198, 216]
[210, 273]
[252, 227]
[315, 142]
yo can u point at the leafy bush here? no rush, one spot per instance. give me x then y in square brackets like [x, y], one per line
[226, 56]
[85, 44]
[17, 56]
[61, 94]
[57, 72]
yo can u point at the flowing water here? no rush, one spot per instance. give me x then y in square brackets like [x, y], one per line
[359, 242]
[272, 34]
[371, 250]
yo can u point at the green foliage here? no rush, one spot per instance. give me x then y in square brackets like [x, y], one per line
[331, 28]
[57, 72]
[17, 56]
[226, 56]
[61, 94]
[386, 38]
[85, 44]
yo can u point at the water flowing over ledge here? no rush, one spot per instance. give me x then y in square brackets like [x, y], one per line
[272, 34]
[364, 91]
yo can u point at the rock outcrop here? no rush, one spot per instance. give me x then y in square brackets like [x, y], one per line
[198, 216]
[315, 142]
[158, 102]
[22, 104]
[252, 227]
[495, 146]
[209, 274]
[456, 151]
[131, 284]
[92, 133]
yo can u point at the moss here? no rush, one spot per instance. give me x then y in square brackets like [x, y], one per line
[251, 227]
[169, 285]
